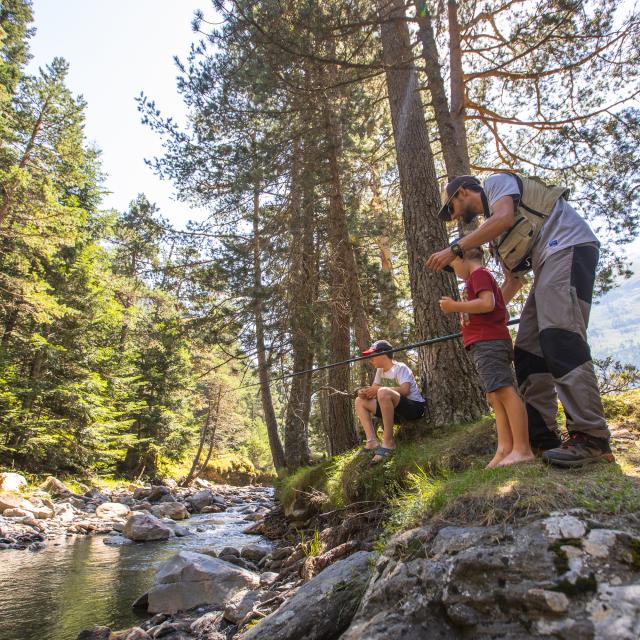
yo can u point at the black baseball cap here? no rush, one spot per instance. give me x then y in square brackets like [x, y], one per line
[379, 346]
[451, 188]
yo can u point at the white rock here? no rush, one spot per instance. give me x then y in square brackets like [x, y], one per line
[65, 512]
[562, 527]
[112, 510]
[12, 481]
[599, 541]
[615, 612]
[173, 510]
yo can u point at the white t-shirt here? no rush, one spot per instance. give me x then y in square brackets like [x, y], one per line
[565, 227]
[398, 374]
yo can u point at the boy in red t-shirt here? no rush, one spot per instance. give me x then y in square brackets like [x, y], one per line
[483, 316]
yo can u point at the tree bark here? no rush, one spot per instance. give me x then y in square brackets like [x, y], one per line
[452, 387]
[454, 148]
[277, 452]
[341, 430]
[302, 292]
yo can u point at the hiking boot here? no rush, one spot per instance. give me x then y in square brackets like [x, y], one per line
[579, 449]
[550, 440]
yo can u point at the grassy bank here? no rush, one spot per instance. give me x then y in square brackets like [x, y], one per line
[442, 476]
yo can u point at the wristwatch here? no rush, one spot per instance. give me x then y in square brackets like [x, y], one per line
[456, 249]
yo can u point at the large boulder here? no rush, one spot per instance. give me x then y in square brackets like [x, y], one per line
[12, 481]
[322, 608]
[200, 499]
[143, 527]
[173, 510]
[189, 580]
[112, 510]
[562, 577]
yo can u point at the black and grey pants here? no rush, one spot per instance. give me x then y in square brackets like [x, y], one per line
[552, 357]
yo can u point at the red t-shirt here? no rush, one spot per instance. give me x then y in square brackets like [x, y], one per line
[478, 327]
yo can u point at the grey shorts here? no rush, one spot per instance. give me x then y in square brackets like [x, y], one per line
[493, 360]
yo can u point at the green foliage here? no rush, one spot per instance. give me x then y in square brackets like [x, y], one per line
[312, 547]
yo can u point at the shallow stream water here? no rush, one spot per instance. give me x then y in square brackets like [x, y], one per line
[55, 593]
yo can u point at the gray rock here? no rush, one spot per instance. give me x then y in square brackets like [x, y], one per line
[540, 579]
[189, 580]
[255, 552]
[112, 511]
[173, 510]
[157, 492]
[206, 625]
[168, 498]
[141, 493]
[135, 633]
[12, 481]
[268, 578]
[201, 499]
[116, 541]
[240, 605]
[143, 527]
[230, 551]
[322, 608]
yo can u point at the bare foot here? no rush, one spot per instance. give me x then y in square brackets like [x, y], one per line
[516, 457]
[373, 445]
[497, 459]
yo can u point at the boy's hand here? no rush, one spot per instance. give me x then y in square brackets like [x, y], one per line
[447, 304]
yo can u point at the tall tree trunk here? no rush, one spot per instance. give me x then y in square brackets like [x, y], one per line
[452, 387]
[454, 147]
[387, 285]
[277, 452]
[341, 430]
[302, 292]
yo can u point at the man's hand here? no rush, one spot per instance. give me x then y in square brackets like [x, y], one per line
[447, 304]
[367, 393]
[439, 260]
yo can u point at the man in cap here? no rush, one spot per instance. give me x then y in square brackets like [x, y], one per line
[531, 226]
[394, 393]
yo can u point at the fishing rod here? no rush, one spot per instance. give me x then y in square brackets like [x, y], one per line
[423, 343]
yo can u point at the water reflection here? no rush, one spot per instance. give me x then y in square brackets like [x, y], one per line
[55, 593]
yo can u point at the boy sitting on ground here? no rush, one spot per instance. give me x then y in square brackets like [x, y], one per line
[394, 393]
[483, 317]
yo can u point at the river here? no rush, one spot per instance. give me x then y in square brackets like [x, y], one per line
[72, 585]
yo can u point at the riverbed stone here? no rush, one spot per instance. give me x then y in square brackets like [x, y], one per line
[112, 511]
[255, 552]
[189, 579]
[64, 512]
[322, 608]
[12, 481]
[157, 492]
[200, 499]
[205, 626]
[55, 487]
[173, 510]
[15, 513]
[96, 633]
[13, 501]
[135, 633]
[241, 604]
[144, 527]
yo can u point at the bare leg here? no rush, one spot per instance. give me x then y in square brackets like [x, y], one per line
[388, 400]
[517, 416]
[365, 409]
[505, 443]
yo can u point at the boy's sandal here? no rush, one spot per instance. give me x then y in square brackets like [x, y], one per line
[384, 453]
[365, 449]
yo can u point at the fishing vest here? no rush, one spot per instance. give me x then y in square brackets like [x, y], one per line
[535, 203]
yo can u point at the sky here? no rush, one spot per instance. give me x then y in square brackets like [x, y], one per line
[116, 49]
